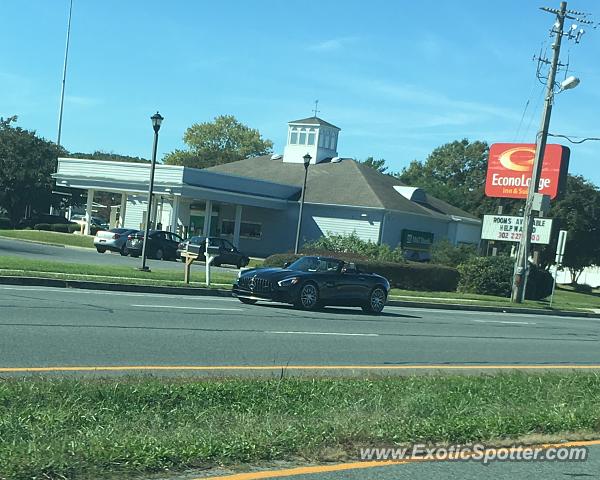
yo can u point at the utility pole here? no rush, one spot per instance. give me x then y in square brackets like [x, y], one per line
[522, 263]
[64, 77]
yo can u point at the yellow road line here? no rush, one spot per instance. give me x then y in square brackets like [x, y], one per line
[216, 368]
[291, 472]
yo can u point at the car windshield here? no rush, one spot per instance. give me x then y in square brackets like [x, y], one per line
[316, 264]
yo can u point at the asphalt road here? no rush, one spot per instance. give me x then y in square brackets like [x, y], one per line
[53, 327]
[89, 256]
[461, 470]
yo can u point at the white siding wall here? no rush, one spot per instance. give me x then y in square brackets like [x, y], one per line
[466, 233]
[134, 215]
[119, 171]
[366, 230]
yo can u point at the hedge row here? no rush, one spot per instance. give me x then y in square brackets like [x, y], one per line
[407, 276]
[57, 227]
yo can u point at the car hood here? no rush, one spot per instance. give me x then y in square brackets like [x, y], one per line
[272, 274]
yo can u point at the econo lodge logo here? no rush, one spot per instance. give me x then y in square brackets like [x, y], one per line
[510, 167]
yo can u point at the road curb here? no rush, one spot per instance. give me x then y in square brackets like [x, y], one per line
[219, 292]
[114, 287]
[484, 308]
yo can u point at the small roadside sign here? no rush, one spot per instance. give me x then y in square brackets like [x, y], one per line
[507, 228]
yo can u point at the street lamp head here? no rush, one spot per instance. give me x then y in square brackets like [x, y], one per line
[307, 158]
[156, 121]
[569, 83]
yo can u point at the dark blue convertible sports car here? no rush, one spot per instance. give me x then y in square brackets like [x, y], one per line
[312, 282]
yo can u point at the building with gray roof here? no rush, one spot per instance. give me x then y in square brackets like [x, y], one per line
[255, 202]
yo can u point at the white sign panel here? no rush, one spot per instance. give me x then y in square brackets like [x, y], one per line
[507, 228]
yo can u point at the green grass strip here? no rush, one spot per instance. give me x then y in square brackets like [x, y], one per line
[51, 238]
[76, 428]
[105, 273]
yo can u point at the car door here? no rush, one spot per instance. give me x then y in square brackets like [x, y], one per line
[353, 285]
[229, 253]
[172, 242]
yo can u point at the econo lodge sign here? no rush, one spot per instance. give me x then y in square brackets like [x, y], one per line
[510, 166]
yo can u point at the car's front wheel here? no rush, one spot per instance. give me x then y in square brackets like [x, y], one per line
[377, 300]
[243, 262]
[124, 250]
[308, 298]
[158, 255]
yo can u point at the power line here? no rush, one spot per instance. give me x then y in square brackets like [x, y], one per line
[570, 139]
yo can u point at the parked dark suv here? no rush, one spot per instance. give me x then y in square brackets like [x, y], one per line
[228, 254]
[160, 245]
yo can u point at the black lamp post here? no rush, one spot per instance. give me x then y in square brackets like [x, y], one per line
[156, 121]
[307, 158]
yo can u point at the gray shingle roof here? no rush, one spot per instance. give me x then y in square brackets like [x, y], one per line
[314, 121]
[345, 183]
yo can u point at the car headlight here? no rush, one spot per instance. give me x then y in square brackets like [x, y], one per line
[288, 282]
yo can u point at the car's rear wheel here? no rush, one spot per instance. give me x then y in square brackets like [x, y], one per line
[377, 300]
[158, 255]
[308, 298]
[243, 262]
[100, 249]
[124, 250]
[248, 301]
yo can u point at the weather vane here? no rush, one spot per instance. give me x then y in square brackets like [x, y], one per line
[316, 110]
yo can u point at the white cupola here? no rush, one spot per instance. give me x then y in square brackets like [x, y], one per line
[311, 135]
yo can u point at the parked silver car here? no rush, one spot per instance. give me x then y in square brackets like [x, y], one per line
[114, 239]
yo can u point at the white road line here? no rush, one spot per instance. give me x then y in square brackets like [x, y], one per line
[190, 308]
[121, 294]
[504, 321]
[325, 333]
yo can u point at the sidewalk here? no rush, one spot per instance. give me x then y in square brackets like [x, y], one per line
[226, 292]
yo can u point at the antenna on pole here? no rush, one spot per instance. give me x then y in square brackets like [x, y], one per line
[316, 110]
[64, 77]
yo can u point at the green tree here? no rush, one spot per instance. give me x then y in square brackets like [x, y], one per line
[455, 173]
[378, 165]
[26, 165]
[109, 156]
[222, 141]
[578, 212]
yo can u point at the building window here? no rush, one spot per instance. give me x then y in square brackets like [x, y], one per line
[294, 136]
[302, 137]
[250, 230]
[311, 136]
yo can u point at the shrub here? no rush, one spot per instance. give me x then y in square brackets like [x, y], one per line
[60, 228]
[352, 243]
[539, 283]
[445, 253]
[407, 276]
[493, 276]
[74, 227]
[582, 288]
[279, 259]
[42, 226]
[5, 224]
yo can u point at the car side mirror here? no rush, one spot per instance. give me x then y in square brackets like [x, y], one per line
[287, 264]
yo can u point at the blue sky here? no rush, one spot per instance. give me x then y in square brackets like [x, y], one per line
[399, 78]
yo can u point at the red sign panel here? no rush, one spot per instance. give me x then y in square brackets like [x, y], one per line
[510, 166]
